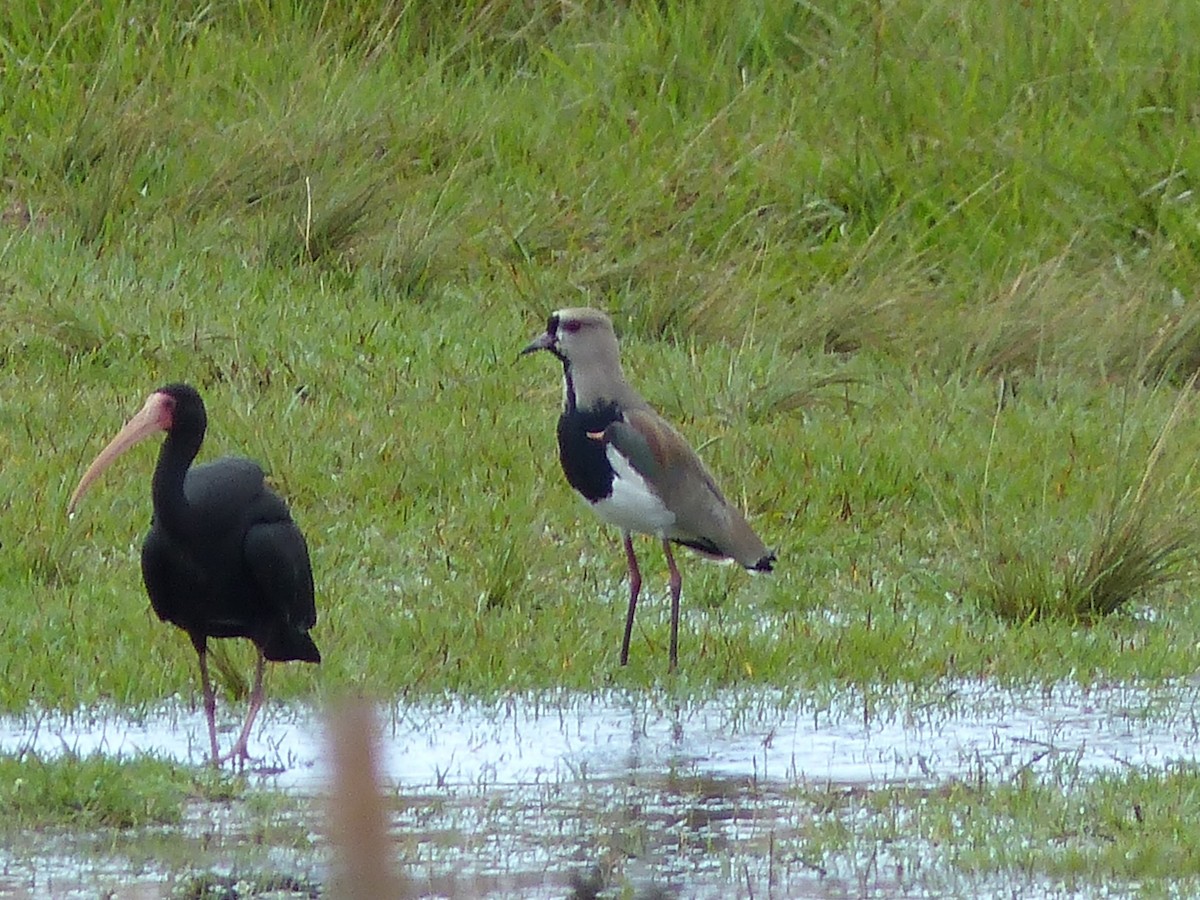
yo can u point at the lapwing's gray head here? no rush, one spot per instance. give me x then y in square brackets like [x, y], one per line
[582, 338]
[584, 341]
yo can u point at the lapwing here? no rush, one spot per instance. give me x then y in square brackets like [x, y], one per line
[635, 470]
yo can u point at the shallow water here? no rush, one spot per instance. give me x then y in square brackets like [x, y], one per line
[516, 798]
[562, 738]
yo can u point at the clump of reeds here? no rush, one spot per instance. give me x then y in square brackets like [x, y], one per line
[1139, 544]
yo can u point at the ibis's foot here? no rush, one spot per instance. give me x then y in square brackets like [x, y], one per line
[239, 755]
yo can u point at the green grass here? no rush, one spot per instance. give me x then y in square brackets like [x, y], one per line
[823, 244]
[1130, 826]
[99, 792]
[918, 277]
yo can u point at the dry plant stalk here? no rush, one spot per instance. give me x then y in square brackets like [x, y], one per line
[358, 822]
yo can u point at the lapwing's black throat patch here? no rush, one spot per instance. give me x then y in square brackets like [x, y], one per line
[583, 458]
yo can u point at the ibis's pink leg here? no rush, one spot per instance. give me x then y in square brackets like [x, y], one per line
[210, 706]
[239, 753]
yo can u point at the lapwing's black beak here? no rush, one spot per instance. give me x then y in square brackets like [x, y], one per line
[543, 341]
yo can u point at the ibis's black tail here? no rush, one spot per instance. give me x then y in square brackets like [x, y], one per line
[287, 644]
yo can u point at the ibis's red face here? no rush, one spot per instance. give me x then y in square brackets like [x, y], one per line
[157, 415]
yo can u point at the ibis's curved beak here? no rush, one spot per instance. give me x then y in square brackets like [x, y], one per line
[153, 417]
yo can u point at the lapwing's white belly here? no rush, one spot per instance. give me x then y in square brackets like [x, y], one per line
[632, 506]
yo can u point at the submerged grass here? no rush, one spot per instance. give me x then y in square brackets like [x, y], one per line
[1065, 832]
[1030, 814]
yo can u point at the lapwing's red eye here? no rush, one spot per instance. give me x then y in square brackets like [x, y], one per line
[571, 326]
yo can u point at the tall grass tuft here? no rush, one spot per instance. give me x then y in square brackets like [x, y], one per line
[1139, 542]
[328, 233]
[1136, 551]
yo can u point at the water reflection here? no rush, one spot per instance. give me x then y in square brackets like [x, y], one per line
[539, 796]
[967, 728]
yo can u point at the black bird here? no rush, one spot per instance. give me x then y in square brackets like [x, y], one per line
[634, 469]
[223, 557]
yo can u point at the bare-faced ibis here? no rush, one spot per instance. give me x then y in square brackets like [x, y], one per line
[634, 469]
[223, 557]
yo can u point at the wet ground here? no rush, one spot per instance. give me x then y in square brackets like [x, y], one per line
[539, 797]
